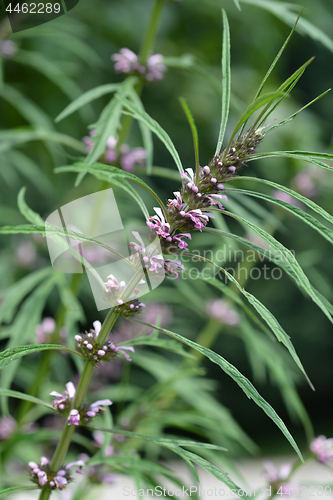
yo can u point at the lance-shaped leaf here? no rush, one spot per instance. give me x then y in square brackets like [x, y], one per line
[109, 172]
[226, 81]
[298, 212]
[16, 489]
[238, 377]
[86, 98]
[288, 262]
[308, 156]
[13, 353]
[25, 397]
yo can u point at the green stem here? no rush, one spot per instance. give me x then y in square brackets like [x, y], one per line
[150, 35]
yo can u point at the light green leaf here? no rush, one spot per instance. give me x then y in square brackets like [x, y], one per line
[109, 172]
[13, 353]
[86, 98]
[159, 440]
[307, 156]
[298, 212]
[29, 214]
[26, 397]
[16, 137]
[291, 192]
[216, 472]
[152, 124]
[16, 489]
[194, 131]
[226, 81]
[272, 66]
[288, 262]
[232, 371]
[155, 341]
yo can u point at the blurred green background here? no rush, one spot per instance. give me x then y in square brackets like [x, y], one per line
[56, 62]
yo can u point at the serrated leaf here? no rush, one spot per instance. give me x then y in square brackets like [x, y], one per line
[86, 98]
[13, 353]
[226, 81]
[232, 371]
[26, 397]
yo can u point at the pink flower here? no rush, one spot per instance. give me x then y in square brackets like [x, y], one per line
[157, 222]
[8, 48]
[220, 310]
[74, 417]
[182, 244]
[178, 202]
[172, 267]
[323, 448]
[131, 157]
[121, 349]
[45, 328]
[65, 400]
[97, 407]
[276, 477]
[155, 68]
[200, 219]
[126, 61]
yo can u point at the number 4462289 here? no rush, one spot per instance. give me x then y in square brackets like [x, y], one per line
[33, 8]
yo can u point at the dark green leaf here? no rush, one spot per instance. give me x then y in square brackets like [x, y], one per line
[10, 355]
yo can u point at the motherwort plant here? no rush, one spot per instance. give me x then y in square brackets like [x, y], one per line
[201, 197]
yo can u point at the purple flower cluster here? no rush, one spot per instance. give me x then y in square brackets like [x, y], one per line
[200, 191]
[322, 448]
[87, 345]
[42, 474]
[64, 403]
[128, 62]
[126, 158]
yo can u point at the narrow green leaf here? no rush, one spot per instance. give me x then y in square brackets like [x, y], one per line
[272, 66]
[289, 262]
[232, 371]
[87, 97]
[16, 489]
[309, 157]
[109, 172]
[216, 472]
[266, 315]
[26, 397]
[10, 355]
[155, 341]
[291, 117]
[254, 106]
[152, 124]
[194, 131]
[15, 137]
[50, 70]
[29, 214]
[236, 2]
[291, 192]
[226, 81]
[159, 440]
[166, 173]
[298, 212]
